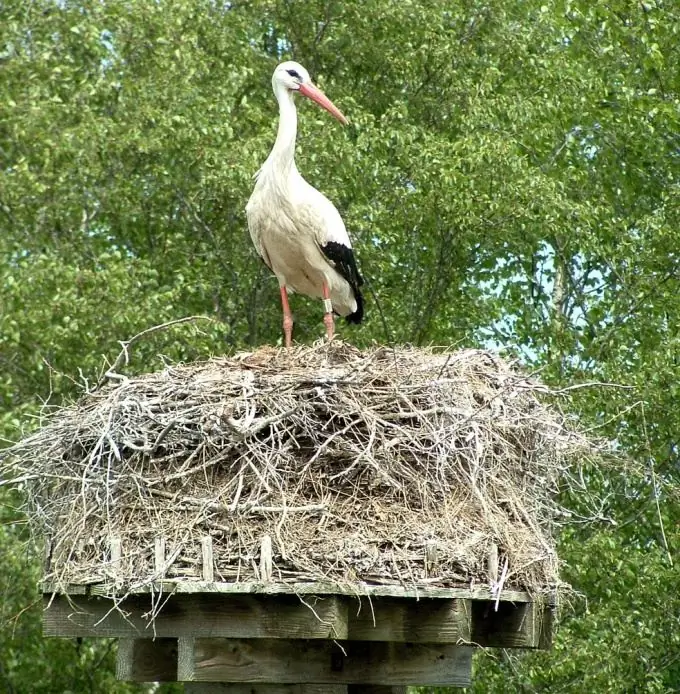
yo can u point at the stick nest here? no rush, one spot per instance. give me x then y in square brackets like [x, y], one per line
[410, 467]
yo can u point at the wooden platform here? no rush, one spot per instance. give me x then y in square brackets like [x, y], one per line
[252, 638]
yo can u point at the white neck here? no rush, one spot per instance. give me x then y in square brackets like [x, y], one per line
[282, 157]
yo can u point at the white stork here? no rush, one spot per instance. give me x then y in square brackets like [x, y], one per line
[295, 228]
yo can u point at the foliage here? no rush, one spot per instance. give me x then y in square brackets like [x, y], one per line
[510, 177]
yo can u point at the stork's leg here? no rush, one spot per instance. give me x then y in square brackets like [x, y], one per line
[287, 317]
[328, 312]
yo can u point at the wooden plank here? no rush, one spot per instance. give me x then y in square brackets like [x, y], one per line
[374, 689]
[521, 625]
[186, 663]
[124, 659]
[234, 616]
[147, 660]
[352, 589]
[316, 661]
[73, 589]
[238, 688]
[547, 617]
[431, 620]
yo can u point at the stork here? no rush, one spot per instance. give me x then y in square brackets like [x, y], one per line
[296, 229]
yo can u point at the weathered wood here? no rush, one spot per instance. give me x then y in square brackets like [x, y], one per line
[47, 554]
[308, 661]
[431, 620]
[147, 660]
[50, 588]
[521, 625]
[186, 660]
[207, 556]
[234, 616]
[248, 588]
[115, 548]
[547, 615]
[492, 564]
[266, 563]
[159, 557]
[237, 688]
[375, 689]
[431, 558]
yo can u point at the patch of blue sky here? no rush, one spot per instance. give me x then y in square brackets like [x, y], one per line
[500, 332]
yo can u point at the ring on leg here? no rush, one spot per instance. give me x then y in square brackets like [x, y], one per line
[287, 317]
[328, 312]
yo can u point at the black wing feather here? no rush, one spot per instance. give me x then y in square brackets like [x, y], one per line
[345, 263]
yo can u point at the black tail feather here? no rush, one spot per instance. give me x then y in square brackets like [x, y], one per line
[343, 261]
[358, 315]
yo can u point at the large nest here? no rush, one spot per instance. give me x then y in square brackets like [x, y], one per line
[406, 466]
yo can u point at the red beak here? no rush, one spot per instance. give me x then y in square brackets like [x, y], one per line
[315, 94]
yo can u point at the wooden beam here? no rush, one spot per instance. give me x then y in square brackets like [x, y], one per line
[147, 660]
[251, 587]
[431, 620]
[316, 661]
[520, 625]
[237, 688]
[546, 626]
[233, 616]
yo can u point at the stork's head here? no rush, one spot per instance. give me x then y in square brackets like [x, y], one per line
[294, 78]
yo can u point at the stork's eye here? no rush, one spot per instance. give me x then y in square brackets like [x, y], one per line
[294, 73]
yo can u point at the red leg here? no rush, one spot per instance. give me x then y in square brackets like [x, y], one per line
[328, 312]
[287, 317]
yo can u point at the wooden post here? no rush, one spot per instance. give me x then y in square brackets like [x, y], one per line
[147, 660]
[266, 562]
[207, 556]
[492, 564]
[159, 557]
[321, 662]
[236, 688]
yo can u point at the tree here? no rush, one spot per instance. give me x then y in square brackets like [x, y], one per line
[510, 178]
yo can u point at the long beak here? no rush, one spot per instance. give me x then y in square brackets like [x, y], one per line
[315, 94]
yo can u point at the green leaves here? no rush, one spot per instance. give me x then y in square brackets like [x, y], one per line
[509, 177]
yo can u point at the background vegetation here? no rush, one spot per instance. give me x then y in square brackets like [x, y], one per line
[511, 177]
